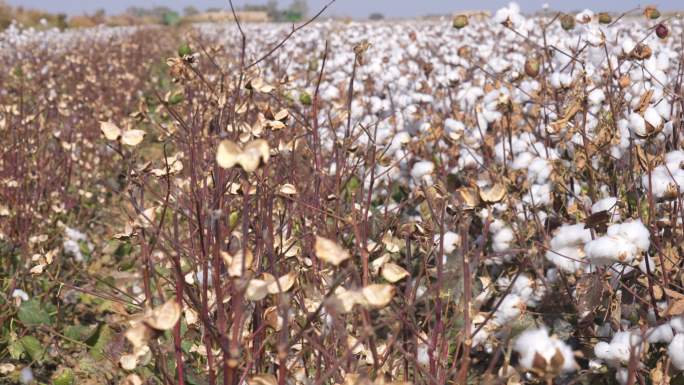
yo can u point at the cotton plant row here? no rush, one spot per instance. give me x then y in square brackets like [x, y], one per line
[527, 140]
[431, 199]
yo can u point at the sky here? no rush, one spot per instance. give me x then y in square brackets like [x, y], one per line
[353, 8]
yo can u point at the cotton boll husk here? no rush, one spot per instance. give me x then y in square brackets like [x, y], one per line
[676, 351]
[610, 249]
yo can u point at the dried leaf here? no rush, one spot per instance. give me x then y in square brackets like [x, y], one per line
[132, 137]
[110, 130]
[393, 272]
[165, 316]
[330, 252]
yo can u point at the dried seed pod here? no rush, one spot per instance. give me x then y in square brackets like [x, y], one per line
[662, 31]
[604, 18]
[567, 22]
[460, 21]
[651, 12]
[532, 67]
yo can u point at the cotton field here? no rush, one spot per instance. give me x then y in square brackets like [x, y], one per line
[471, 199]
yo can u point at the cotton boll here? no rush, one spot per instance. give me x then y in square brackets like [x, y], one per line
[634, 232]
[622, 375]
[18, 293]
[618, 350]
[677, 324]
[597, 96]
[451, 241]
[637, 125]
[652, 117]
[609, 249]
[510, 308]
[607, 204]
[567, 259]
[522, 161]
[662, 333]
[422, 355]
[421, 169]
[539, 170]
[676, 351]
[537, 342]
[501, 241]
[570, 235]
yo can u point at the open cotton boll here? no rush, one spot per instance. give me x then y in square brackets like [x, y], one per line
[510, 308]
[568, 259]
[609, 249]
[677, 324]
[652, 117]
[637, 125]
[634, 232]
[18, 293]
[421, 169]
[451, 241]
[662, 333]
[620, 347]
[537, 342]
[570, 235]
[539, 170]
[676, 351]
[597, 96]
[501, 241]
[607, 204]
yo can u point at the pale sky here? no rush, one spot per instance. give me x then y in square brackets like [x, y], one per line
[354, 8]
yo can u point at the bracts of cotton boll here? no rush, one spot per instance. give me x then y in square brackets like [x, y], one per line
[676, 351]
[541, 352]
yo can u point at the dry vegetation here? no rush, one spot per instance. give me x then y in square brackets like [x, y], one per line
[419, 202]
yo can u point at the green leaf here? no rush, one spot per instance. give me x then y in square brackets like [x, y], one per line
[31, 313]
[99, 340]
[33, 347]
[15, 349]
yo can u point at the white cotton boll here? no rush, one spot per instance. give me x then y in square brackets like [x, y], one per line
[502, 239]
[637, 124]
[570, 235]
[604, 205]
[480, 337]
[522, 160]
[539, 195]
[510, 308]
[421, 169]
[26, 375]
[676, 351]
[451, 241]
[18, 293]
[652, 117]
[539, 170]
[662, 333]
[633, 231]
[597, 96]
[608, 249]
[622, 375]
[537, 342]
[567, 259]
[677, 324]
[619, 349]
[627, 46]
[664, 108]
[452, 125]
[422, 355]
